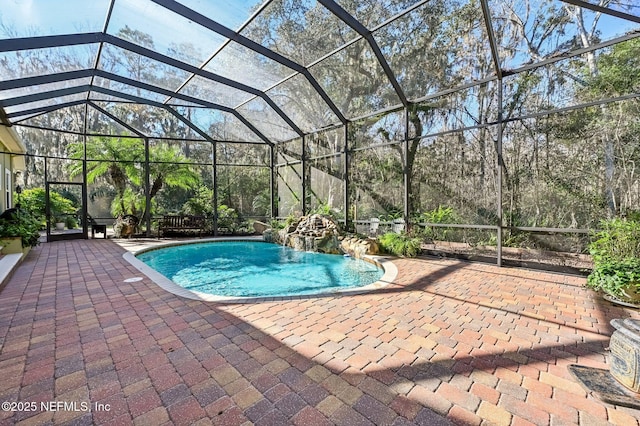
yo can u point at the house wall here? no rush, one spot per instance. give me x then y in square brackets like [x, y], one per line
[6, 178]
[11, 161]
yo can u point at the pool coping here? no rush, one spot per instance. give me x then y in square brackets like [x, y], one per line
[390, 274]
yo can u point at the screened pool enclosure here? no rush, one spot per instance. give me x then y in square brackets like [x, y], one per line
[492, 123]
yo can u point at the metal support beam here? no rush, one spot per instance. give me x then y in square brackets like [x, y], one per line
[188, 122]
[499, 174]
[170, 110]
[46, 42]
[214, 171]
[47, 204]
[346, 162]
[405, 170]
[605, 10]
[305, 177]
[212, 25]
[28, 43]
[51, 94]
[85, 198]
[160, 90]
[116, 119]
[200, 72]
[208, 75]
[577, 52]
[45, 79]
[486, 13]
[147, 188]
[273, 182]
[44, 109]
[105, 27]
[356, 25]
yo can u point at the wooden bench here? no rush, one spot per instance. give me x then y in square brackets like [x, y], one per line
[180, 223]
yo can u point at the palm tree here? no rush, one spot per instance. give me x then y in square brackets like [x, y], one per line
[120, 162]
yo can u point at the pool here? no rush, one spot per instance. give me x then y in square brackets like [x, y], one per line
[257, 269]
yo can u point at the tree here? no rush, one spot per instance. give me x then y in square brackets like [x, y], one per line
[34, 201]
[617, 124]
[120, 162]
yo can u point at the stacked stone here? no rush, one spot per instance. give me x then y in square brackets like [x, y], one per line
[358, 247]
[316, 226]
[320, 233]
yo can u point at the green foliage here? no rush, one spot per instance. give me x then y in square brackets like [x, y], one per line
[513, 238]
[24, 225]
[633, 215]
[391, 215]
[201, 203]
[120, 164]
[276, 224]
[261, 203]
[616, 257]
[70, 222]
[33, 201]
[290, 220]
[325, 210]
[228, 218]
[400, 245]
[618, 240]
[246, 189]
[617, 70]
[613, 277]
[440, 215]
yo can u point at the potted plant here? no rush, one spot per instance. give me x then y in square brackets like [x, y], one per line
[59, 222]
[20, 232]
[70, 222]
[616, 260]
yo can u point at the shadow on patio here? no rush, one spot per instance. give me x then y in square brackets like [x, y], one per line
[458, 342]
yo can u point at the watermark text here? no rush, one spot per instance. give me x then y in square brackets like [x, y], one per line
[78, 406]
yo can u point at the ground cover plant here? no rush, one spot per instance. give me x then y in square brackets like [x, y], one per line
[616, 259]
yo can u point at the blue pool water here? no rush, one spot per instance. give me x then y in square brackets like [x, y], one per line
[251, 268]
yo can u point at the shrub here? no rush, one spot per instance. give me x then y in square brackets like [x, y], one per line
[619, 239]
[24, 225]
[276, 224]
[228, 218]
[440, 215]
[400, 245]
[200, 204]
[290, 220]
[616, 258]
[70, 222]
[616, 277]
[324, 210]
[33, 201]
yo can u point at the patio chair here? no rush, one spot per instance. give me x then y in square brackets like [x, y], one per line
[374, 223]
[397, 226]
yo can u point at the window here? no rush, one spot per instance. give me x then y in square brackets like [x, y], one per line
[5, 206]
[7, 187]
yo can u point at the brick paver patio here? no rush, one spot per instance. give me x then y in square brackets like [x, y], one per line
[448, 341]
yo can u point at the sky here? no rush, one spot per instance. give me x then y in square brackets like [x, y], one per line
[52, 16]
